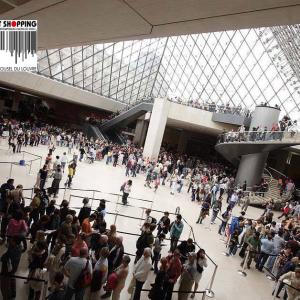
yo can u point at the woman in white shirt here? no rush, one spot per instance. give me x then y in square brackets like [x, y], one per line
[201, 263]
[141, 271]
[126, 188]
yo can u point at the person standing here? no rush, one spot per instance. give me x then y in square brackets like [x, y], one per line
[175, 232]
[187, 278]
[141, 271]
[120, 275]
[64, 161]
[56, 181]
[246, 201]
[126, 189]
[10, 262]
[173, 273]
[157, 250]
[163, 224]
[267, 248]
[201, 263]
[73, 268]
[294, 283]
[157, 291]
[43, 173]
[99, 274]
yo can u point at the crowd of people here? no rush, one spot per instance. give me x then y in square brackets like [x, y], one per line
[213, 107]
[81, 254]
[261, 133]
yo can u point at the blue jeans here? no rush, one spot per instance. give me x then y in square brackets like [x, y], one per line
[79, 294]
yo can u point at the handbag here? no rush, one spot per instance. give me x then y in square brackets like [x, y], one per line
[112, 281]
[85, 277]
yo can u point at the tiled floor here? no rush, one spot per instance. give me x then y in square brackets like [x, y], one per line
[228, 283]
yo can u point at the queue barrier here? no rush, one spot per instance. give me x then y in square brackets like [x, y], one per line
[45, 282]
[203, 293]
[209, 290]
[28, 162]
[117, 214]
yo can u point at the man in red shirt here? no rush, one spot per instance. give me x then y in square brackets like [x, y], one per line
[173, 272]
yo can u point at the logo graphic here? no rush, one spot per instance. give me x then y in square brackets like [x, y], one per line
[18, 45]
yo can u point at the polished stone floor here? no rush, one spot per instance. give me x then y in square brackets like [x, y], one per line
[106, 180]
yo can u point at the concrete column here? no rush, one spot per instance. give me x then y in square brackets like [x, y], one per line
[183, 140]
[252, 166]
[264, 116]
[140, 132]
[156, 128]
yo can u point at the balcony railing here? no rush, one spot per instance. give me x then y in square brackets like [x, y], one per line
[260, 136]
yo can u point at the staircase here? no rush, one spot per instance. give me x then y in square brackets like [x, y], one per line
[272, 193]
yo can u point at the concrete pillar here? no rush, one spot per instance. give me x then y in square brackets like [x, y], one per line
[264, 116]
[182, 142]
[252, 166]
[140, 132]
[156, 128]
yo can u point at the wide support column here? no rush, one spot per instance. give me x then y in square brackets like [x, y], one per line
[140, 132]
[251, 168]
[156, 128]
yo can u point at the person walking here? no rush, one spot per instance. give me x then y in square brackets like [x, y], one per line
[126, 189]
[216, 208]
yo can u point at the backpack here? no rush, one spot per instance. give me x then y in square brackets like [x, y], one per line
[153, 221]
[85, 277]
[225, 214]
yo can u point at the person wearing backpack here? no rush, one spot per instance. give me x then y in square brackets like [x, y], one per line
[79, 272]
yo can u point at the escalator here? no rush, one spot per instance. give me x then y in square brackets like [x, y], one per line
[127, 116]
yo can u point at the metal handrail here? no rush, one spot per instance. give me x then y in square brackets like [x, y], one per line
[278, 172]
[258, 136]
[223, 109]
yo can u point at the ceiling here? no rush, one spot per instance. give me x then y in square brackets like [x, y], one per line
[242, 68]
[64, 23]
